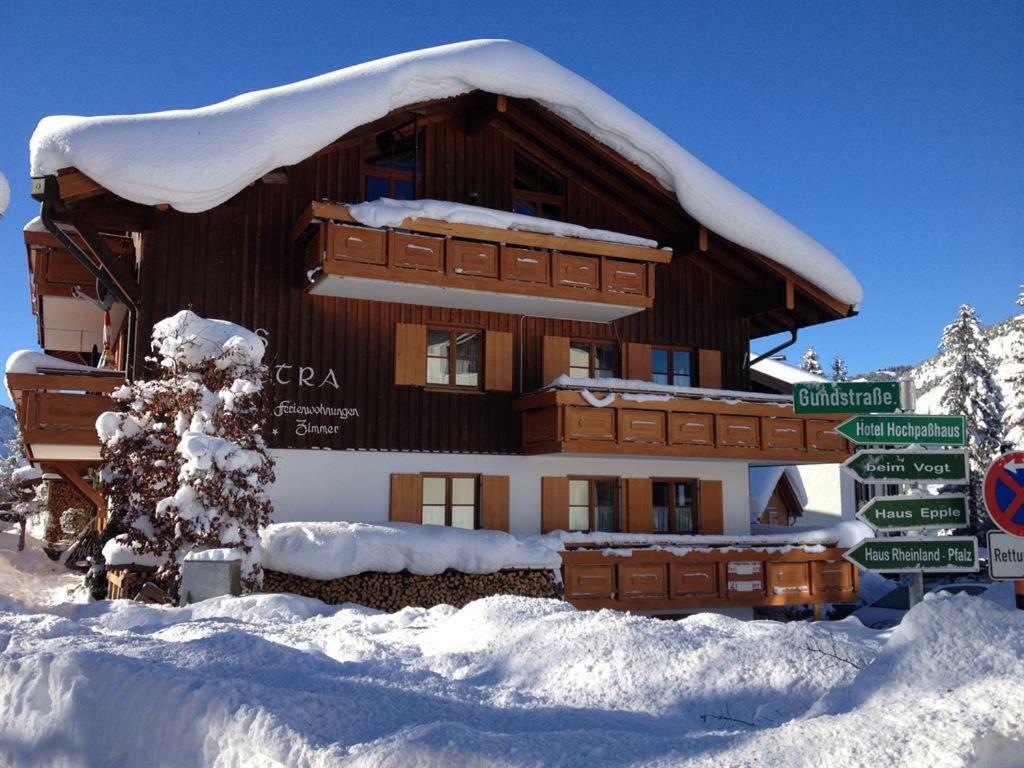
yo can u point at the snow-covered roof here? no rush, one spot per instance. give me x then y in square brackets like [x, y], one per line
[764, 480]
[783, 371]
[391, 213]
[196, 159]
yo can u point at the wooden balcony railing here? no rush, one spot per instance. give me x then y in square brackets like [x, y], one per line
[631, 579]
[465, 266]
[713, 426]
[57, 411]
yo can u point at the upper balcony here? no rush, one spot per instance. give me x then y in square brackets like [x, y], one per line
[687, 423]
[467, 266]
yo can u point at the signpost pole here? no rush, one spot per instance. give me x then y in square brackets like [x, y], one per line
[908, 401]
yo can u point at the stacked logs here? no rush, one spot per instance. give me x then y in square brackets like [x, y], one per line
[394, 591]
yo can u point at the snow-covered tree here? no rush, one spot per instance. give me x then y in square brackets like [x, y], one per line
[21, 488]
[185, 464]
[1015, 407]
[810, 362]
[971, 390]
[839, 370]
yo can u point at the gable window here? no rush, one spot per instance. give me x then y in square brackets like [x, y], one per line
[453, 357]
[672, 366]
[675, 506]
[593, 360]
[593, 504]
[391, 164]
[536, 191]
[451, 500]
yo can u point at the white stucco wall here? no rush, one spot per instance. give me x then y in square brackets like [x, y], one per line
[830, 495]
[355, 485]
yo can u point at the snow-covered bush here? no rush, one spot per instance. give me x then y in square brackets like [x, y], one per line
[185, 465]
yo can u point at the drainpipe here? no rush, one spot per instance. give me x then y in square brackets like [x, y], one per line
[773, 350]
[46, 191]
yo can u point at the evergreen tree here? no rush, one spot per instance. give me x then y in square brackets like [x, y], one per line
[1015, 408]
[839, 370]
[810, 362]
[971, 391]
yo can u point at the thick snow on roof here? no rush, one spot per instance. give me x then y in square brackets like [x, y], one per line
[783, 371]
[196, 159]
[5, 193]
[30, 361]
[391, 213]
[763, 481]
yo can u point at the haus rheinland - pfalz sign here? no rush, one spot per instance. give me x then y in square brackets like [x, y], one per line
[945, 554]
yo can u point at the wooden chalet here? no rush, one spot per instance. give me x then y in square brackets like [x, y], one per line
[467, 370]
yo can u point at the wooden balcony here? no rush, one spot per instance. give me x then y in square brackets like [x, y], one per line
[57, 412]
[713, 426]
[657, 580]
[462, 266]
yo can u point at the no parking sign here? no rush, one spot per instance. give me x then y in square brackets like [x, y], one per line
[1004, 492]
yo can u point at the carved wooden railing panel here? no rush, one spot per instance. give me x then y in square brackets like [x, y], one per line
[61, 408]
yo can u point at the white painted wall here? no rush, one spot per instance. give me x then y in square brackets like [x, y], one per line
[356, 485]
[830, 495]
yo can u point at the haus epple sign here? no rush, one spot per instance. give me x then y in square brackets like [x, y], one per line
[908, 466]
[910, 513]
[947, 554]
[846, 396]
[905, 429]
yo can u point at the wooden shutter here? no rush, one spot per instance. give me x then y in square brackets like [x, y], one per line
[406, 499]
[712, 515]
[410, 354]
[554, 505]
[639, 505]
[638, 361]
[498, 361]
[494, 502]
[709, 368]
[556, 359]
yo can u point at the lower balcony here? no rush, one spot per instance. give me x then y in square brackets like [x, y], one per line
[675, 581]
[57, 412]
[708, 424]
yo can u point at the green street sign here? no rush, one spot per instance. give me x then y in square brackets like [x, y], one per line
[913, 513]
[944, 554]
[905, 429]
[846, 396]
[908, 466]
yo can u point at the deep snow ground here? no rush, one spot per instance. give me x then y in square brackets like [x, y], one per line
[278, 680]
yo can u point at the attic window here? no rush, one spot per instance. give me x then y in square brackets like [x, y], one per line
[537, 191]
[391, 163]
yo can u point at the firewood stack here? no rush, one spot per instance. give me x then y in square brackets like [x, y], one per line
[394, 591]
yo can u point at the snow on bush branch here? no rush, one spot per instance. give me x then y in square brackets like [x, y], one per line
[185, 465]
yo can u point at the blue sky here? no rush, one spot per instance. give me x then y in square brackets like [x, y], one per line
[891, 132]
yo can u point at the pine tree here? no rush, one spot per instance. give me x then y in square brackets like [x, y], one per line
[839, 370]
[971, 391]
[1015, 408]
[810, 362]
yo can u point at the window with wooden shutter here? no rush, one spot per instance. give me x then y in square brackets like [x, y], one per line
[675, 506]
[554, 504]
[639, 516]
[406, 499]
[410, 354]
[712, 513]
[555, 359]
[709, 366]
[498, 361]
[494, 498]
[638, 361]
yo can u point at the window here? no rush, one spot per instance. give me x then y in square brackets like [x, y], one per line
[450, 500]
[593, 360]
[391, 165]
[672, 366]
[675, 506]
[593, 504]
[453, 357]
[536, 191]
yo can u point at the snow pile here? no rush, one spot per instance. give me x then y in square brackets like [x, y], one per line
[29, 361]
[639, 390]
[188, 339]
[764, 480]
[117, 552]
[196, 159]
[333, 550]
[391, 213]
[26, 474]
[283, 680]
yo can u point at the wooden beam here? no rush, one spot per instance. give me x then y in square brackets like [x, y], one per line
[64, 382]
[703, 238]
[75, 185]
[71, 473]
[790, 295]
